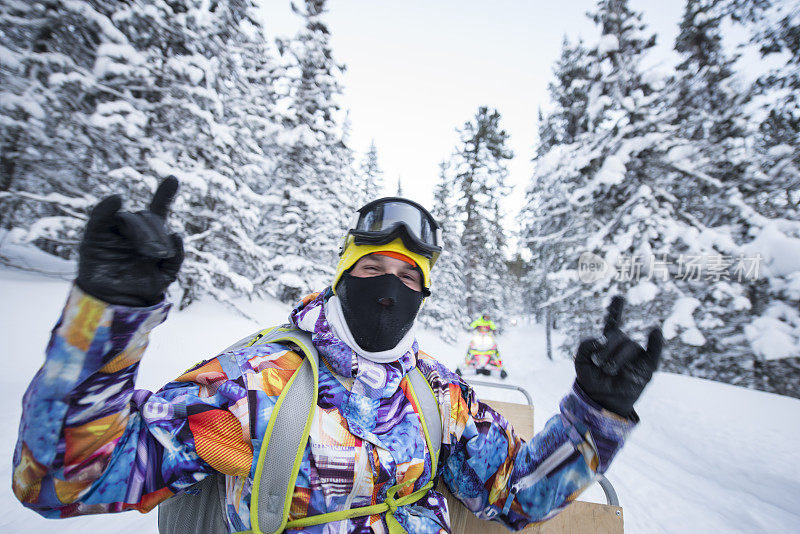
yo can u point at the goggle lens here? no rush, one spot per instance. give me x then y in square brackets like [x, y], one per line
[385, 216]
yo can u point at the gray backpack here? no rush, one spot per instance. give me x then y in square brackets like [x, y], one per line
[201, 509]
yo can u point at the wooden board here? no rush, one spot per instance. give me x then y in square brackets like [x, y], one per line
[519, 415]
[578, 518]
[582, 518]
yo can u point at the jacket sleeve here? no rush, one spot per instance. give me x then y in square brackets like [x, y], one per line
[90, 443]
[499, 476]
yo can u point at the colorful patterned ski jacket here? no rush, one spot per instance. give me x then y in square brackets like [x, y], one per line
[90, 443]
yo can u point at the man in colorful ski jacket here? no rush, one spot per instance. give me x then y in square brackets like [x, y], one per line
[90, 443]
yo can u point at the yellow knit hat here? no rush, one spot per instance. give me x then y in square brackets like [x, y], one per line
[352, 253]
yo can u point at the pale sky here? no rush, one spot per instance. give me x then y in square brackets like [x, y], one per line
[417, 70]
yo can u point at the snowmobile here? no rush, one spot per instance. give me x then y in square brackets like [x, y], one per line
[482, 355]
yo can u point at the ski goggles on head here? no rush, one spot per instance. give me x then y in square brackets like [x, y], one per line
[386, 219]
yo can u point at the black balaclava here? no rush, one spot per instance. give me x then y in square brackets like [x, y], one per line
[379, 310]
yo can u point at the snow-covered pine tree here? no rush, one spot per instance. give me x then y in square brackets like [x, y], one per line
[445, 310]
[733, 212]
[769, 204]
[568, 93]
[252, 73]
[480, 174]
[709, 113]
[371, 185]
[189, 45]
[603, 182]
[779, 159]
[549, 225]
[545, 232]
[25, 108]
[314, 165]
[775, 27]
[707, 162]
[73, 117]
[109, 97]
[640, 159]
[248, 74]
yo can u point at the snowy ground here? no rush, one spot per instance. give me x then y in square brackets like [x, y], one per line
[707, 457]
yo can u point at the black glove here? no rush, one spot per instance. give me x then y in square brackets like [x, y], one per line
[614, 371]
[129, 258]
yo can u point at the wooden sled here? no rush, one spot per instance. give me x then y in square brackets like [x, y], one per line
[580, 517]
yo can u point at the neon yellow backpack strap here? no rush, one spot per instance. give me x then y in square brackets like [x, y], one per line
[431, 418]
[428, 406]
[389, 506]
[273, 488]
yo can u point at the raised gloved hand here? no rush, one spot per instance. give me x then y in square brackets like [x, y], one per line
[129, 258]
[614, 371]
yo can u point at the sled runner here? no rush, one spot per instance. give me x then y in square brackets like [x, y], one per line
[580, 517]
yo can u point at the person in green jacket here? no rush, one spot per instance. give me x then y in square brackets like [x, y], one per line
[483, 324]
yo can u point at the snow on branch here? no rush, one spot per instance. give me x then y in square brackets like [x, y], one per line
[54, 198]
[703, 177]
[50, 227]
[681, 322]
[105, 24]
[775, 334]
[9, 58]
[220, 267]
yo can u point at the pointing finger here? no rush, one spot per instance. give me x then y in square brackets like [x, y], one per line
[163, 197]
[614, 314]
